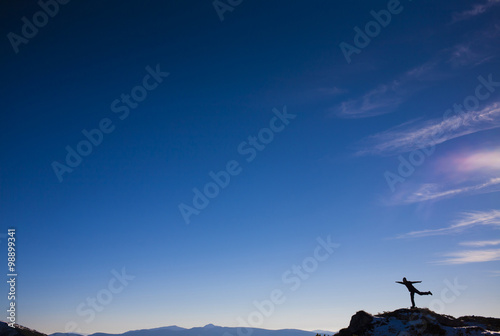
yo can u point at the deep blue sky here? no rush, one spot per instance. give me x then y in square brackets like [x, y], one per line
[323, 175]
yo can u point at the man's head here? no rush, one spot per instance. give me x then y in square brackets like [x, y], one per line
[404, 279]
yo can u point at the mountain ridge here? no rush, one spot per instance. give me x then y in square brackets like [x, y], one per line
[207, 330]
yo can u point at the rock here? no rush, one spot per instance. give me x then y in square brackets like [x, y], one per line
[359, 323]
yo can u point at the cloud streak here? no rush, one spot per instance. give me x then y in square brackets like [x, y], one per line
[414, 135]
[385, 98]
[470, 256]
[381, 100]
[432, 192]
[485, 160]
[469, 219]
[481, 243]
[476, 10]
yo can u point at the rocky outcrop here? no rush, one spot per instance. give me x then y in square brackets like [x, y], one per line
[360, 323]
[421, 322]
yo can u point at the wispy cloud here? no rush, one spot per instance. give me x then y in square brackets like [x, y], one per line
[381, 100]
[387, 97]
[467, 164]
[422, 71]
[481, 243]
[462, 172]
[469, 54]
[470, 256]
[432, 191]
[483, 160]
[415, 134]
[477, 9]
[468, 219]
[476, 48]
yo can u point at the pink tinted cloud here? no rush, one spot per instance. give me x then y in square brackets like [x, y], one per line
[480, 161]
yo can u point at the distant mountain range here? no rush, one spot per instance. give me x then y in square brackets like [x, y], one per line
[208, 330]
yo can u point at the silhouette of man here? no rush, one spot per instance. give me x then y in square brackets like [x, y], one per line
[413, 290]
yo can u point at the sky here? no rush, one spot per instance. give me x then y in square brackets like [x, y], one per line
[248, 163]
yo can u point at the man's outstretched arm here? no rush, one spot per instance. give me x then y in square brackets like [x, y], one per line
[415, 281]
[399, 282]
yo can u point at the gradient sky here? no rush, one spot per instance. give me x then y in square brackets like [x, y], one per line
[325, 174]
